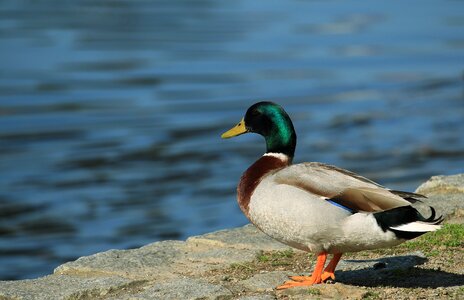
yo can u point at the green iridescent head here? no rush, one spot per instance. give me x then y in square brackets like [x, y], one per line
[272, 122]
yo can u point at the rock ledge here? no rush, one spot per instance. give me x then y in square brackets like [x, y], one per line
[178, 269]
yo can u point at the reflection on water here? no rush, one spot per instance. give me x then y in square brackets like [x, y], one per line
[111, 111]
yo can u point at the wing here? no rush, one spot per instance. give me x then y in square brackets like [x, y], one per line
[343, 187]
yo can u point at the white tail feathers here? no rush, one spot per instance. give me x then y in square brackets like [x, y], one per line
[417, 227]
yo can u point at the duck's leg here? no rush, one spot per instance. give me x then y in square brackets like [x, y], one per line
[308, 280]
[329, 271]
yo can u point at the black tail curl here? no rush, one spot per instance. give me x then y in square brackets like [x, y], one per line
[404, 215]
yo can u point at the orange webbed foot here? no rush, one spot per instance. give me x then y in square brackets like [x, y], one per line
[329, 271]
[315, 278]
[319, 275]
[300, 278]
[327, 275]
[302, 281]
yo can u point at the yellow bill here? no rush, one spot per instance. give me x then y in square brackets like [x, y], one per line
[237, 130]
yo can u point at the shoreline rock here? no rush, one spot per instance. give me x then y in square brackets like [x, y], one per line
[176, 269]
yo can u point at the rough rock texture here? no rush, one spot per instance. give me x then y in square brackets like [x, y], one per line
[185, 269]
[445, 193]
[64, 287]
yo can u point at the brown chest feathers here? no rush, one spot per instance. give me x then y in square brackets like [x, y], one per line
[253, 176]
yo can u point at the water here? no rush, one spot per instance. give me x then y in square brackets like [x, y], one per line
[111, 111]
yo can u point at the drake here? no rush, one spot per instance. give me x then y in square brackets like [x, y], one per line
[316, 207]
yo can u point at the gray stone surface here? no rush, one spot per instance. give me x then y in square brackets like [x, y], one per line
[157, 260]
[183, 288]
[385, 263]
[257, 297]
[453, 184]
[185, 270]
[62, 287]
[264, 282]
[446, 194]
[323, 291]
[247, 237]
[356, 270]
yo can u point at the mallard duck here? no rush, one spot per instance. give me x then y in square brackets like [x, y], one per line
[316, 207]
